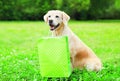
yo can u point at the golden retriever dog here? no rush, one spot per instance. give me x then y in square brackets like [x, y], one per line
[80, 54]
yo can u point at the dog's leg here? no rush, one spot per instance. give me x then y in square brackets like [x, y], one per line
[83, 60]
[72, 66]
[92, 64]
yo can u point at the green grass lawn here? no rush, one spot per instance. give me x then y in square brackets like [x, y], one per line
[19, 56]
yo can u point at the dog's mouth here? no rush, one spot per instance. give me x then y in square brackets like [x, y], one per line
[53, 27]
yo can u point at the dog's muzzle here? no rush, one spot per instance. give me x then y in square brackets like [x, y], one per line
[52, 26]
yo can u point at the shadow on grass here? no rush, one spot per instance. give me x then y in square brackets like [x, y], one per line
[109, 72]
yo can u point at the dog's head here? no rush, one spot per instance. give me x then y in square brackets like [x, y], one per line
[55, 18]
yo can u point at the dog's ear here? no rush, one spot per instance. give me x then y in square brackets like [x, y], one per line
[45, 18]
[65, 17]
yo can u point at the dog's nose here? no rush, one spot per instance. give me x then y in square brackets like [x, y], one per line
[50, 21]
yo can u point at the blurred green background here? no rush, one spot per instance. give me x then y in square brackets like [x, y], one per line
[77, 9]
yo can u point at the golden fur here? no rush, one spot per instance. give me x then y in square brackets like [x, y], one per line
[81, 55]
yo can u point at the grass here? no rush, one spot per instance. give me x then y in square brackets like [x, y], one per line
[19, 57]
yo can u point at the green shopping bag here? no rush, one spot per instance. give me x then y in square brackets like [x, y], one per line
[54, 57]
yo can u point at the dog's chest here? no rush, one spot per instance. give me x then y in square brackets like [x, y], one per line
[72, 41]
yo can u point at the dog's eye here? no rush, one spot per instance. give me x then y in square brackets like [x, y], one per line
[49, 16]
[57, 16]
